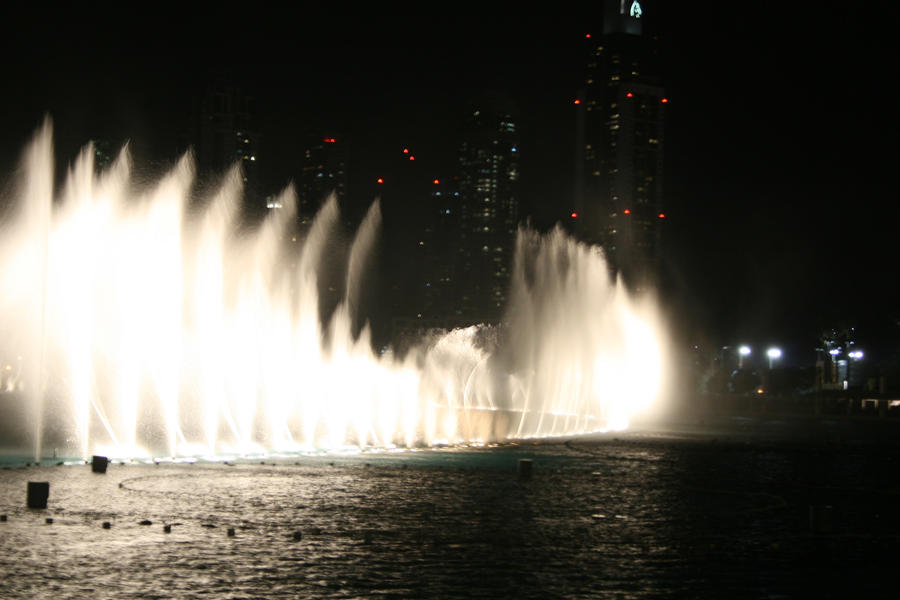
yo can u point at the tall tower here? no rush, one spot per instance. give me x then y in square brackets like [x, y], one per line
[323, 172]
[227, 134]
[621, 115]
[488, 208]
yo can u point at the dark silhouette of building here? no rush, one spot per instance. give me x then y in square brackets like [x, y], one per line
[621, 115]
[323, 172]
[441, 253]
[488, 208]
[227, 133]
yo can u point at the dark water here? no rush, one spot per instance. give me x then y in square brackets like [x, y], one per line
[717, 513]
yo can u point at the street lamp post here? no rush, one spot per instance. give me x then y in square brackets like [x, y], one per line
[773, 354]
[854, 356]
[742, 352]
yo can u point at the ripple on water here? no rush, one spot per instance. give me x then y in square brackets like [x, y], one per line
[637, 518]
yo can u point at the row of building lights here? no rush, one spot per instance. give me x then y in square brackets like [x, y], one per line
[773, 354]
[628, 95]
[574, 214]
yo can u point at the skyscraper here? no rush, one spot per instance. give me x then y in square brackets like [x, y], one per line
[323, 172]
[621, 114]
[488, 207]
[228, 133]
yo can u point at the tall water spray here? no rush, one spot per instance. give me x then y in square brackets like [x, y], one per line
[149, 327]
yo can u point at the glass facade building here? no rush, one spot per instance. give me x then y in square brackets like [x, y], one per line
[621, 117]
[488, 205]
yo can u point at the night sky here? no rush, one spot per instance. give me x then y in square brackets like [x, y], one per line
[780, 139]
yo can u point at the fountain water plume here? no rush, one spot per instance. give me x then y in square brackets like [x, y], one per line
[151, 323]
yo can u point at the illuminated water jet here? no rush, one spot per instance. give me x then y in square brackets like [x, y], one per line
[148, 327]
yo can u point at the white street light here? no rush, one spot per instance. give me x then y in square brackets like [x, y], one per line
[773, 354]
[742, 352]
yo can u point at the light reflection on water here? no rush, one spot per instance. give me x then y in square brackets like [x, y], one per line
[633, 516]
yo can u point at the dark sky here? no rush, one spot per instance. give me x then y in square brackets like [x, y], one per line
[779, 143]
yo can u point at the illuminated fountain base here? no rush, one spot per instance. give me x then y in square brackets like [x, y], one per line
[145, 322]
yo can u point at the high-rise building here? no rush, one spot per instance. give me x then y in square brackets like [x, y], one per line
[441, 253]
[228, 134]
[488, 206]
[323, 172]
[621, 115]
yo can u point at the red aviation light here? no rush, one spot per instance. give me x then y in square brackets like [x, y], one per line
[406, 151]
[411, 157]
[587, 36]
[436, 181]
[662, 215]
[574, 215]
[629, 95]
[627, 211]
[329, 140]
[379, 180]
[577, 101]
[665, 100]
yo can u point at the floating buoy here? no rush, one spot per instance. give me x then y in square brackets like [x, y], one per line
[820, 519]
[2, 518]
[99, 464]
[49, 520]
[146, 522]
[526, 467]
[107, 525]
[231, 532]
[298, 535]
[38, 492]
[167, 528]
